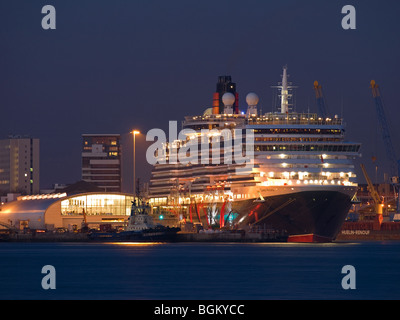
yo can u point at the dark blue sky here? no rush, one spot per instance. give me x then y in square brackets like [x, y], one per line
[111, 66]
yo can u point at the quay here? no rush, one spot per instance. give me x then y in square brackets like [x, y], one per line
[350, 231]
[217, 236]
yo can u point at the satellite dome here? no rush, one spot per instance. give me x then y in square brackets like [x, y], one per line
[252, 99]
[228, 99]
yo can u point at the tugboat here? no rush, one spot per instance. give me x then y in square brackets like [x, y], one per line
[140, 228]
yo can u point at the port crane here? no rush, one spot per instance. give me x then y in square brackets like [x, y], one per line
[320, 99]
[374, 193]
[390, 152]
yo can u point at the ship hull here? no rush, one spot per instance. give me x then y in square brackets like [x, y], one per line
[307, 216]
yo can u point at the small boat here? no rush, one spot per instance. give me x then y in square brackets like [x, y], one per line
[140, 228]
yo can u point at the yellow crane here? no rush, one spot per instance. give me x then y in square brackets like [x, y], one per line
[374, 193]
[320, 100]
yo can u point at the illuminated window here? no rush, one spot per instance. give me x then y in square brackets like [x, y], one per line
[97, 204]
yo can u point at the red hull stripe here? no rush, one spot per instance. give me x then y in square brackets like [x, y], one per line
[309, 238]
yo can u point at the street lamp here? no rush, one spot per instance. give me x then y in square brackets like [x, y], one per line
[134, 133]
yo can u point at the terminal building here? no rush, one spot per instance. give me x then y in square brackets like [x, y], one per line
[59, 210]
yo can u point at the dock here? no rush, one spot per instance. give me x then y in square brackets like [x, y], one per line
[209, 236]
[369, 231]
[236, 236]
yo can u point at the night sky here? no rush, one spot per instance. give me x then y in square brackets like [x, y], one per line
[111, 66]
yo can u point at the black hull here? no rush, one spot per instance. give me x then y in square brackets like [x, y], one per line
[149, 235]
[309, 216]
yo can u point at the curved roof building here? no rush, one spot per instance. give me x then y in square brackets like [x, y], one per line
[51, 211]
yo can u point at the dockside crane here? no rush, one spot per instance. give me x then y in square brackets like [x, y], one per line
[374, 194]
[390, 151]
[320, 99]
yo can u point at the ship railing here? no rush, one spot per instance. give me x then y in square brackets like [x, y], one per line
[269, 121]
[274, 118]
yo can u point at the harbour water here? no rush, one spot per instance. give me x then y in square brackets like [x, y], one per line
[200, 271]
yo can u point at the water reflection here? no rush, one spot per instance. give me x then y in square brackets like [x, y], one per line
[136, 244]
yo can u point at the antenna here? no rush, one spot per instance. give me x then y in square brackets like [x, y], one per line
[285, 88]
[284, 92]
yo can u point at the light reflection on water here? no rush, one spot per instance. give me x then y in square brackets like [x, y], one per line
[136, 244]
[153, 270]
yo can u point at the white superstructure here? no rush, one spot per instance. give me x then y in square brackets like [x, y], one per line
[293, 152]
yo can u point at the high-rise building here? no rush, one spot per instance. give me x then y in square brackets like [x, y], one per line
[19, 165]
[101, 161]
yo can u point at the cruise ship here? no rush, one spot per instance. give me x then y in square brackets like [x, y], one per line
[296, 175]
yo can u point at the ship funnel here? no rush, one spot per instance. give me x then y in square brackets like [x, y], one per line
[228, 99]
[252, 101]
[215, 109]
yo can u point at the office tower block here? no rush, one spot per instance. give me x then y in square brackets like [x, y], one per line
[19, 165]
[101, 161]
